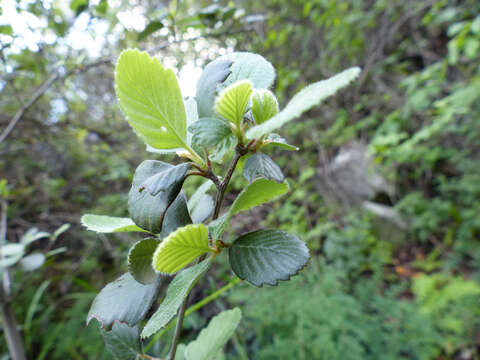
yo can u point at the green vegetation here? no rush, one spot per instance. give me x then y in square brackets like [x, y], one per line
[384, 188]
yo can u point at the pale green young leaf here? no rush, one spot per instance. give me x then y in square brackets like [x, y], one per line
[232, 102]
[109, 224]
[264, 105]
[267, 256]
[139, 260]
[150, 98]
[176, 293]
[212, 338]
[123, 342]
[304, 100]
[180, 248]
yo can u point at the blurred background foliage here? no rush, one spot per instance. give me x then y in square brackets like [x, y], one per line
[385, 189]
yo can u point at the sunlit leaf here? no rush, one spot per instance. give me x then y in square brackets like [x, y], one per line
[264, 105]
[150, 98]
[180, 248]
[232, 102]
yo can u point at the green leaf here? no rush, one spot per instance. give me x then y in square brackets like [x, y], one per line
[150, 98]
[249, 66]
[78, 6]
[109, 224]
[264, 105]
[203, 209]
[6, 29]
[211, 339]
[261, 165]
[198, 195]
[152, 26]
[123, 342]
[266, 256]
[148, 211]
[32, 262]
[140, 260]
[258, 192]
[177, 215]
[180, 355]
[278, 141]
[209, 132]
[180, 248]
[124, 300]
[214, 73]
[304, 100]
[232, 102]
[178, 289]
[165, 179]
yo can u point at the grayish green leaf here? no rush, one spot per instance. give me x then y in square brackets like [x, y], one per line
[163, 180]
[304, 100]
[123, 342]
[177, 215]
[178, 289]
[148, 211]
[201, 190]
[124, 300]
[262, 165]
[211, 339]
[140, 260]
[249, 66]
[209, 132]
[213, 74]
[33, 234]
[267, 256]
[203, 209]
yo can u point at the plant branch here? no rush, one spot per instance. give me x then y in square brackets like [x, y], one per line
[14, 339]
[178, 329]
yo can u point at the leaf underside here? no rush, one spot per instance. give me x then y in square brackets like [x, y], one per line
[267, 256]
